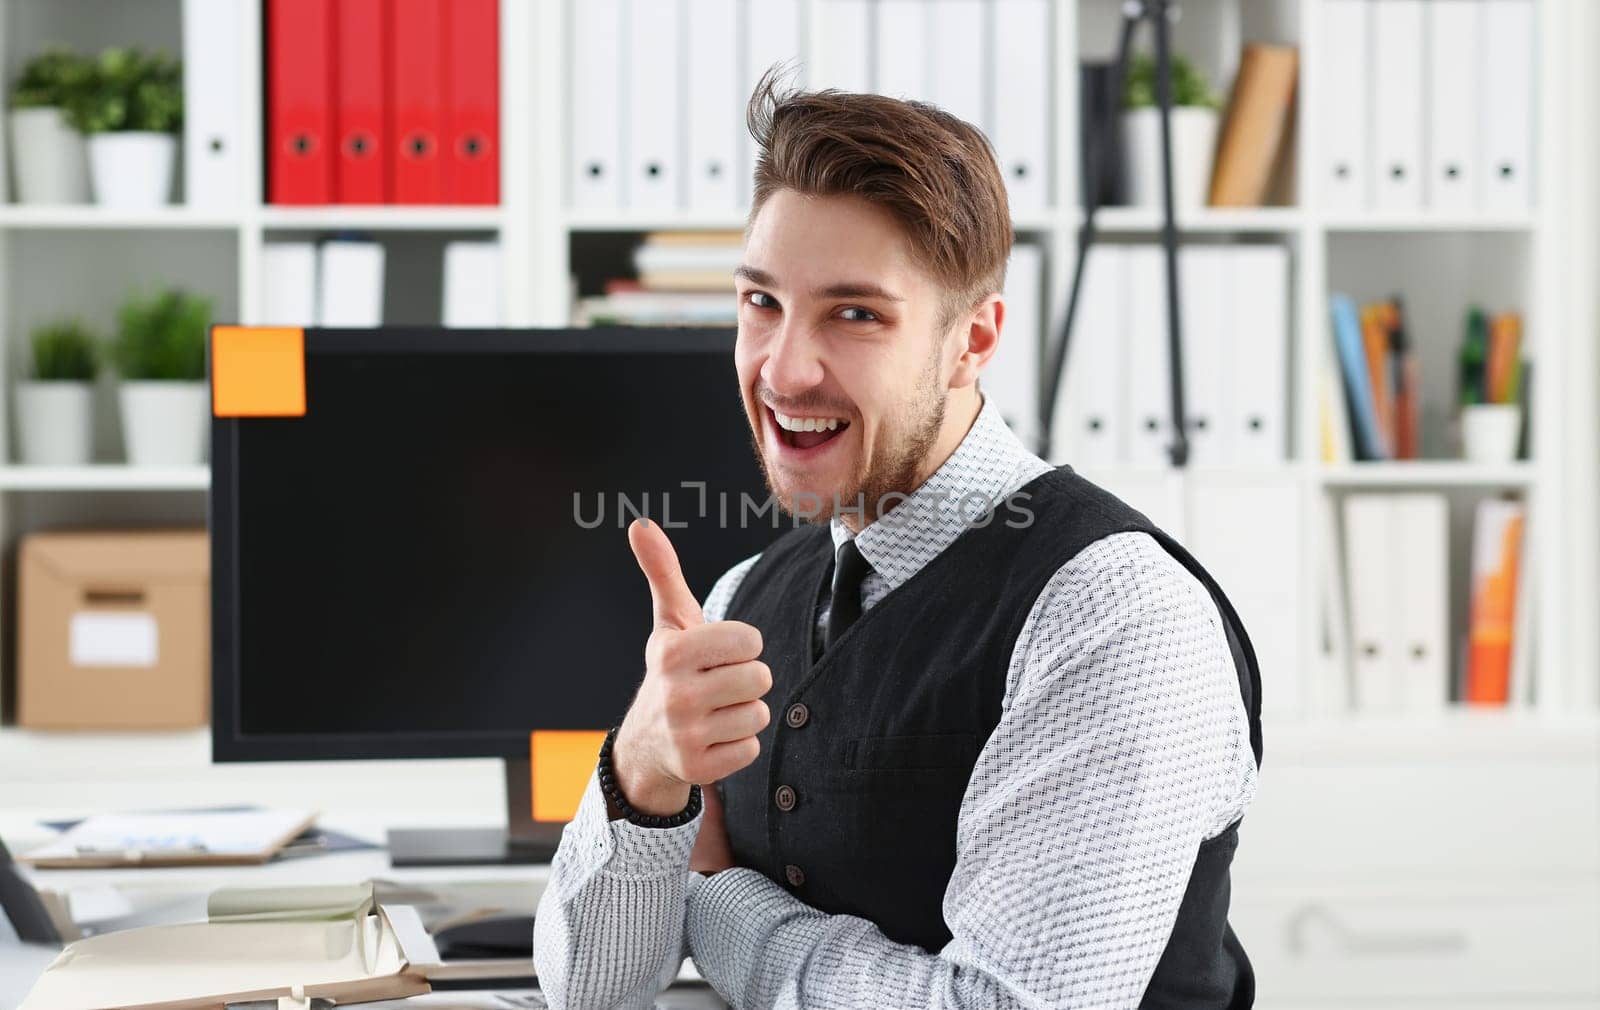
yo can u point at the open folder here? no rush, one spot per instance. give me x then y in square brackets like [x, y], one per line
[259, 944]
[209, 837]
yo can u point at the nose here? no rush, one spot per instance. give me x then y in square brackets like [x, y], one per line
[794, 361]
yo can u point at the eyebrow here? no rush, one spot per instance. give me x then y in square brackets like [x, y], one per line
[844, 289]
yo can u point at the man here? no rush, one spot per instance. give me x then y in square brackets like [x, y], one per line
[964, 756]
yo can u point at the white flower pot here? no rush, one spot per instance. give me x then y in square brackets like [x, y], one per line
[1194, 141]
[163, 422]
[48, 154]
[132, 169]
[1490, 432]
[56, 422]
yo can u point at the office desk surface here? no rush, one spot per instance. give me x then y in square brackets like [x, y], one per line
[20, 964]
[136, 896]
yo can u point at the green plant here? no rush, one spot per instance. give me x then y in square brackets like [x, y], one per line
[64, 351]
[1189, 86]
[129, 89]
[52, 77]
[162, 336]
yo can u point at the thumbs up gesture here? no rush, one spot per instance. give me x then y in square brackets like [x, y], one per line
[699, 708]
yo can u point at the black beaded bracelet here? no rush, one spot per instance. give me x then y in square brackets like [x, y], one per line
[613, 792]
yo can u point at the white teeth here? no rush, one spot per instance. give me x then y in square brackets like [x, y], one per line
[788, 423]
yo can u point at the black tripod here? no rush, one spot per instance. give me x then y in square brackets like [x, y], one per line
[1133, 12]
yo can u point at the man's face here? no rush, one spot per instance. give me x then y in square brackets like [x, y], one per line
[837, 333]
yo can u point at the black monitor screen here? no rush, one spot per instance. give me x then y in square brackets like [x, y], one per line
[434, 559]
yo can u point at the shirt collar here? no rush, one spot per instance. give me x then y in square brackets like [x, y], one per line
[989, 464]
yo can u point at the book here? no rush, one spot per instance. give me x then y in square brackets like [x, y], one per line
[1505, 348]
[1357, 380]
[1333, 413]
[239, 837]
[1255, 129]
[333, 943]
[1497, 538]
[1375, 343]
[1408, 386]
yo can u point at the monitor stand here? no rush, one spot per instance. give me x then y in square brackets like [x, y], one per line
[526, 840]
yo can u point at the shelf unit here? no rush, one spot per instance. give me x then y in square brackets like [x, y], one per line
[219, 251]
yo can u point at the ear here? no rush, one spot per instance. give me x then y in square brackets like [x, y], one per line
[977, 338]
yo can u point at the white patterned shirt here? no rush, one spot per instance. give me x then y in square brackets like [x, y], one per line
[1122, 744]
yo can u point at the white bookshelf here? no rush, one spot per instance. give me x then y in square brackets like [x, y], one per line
[539, 233]
[104, 477]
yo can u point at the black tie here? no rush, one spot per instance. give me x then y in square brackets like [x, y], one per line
[849, 568]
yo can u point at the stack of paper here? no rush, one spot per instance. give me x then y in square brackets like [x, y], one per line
[228, 837]
[327, 942]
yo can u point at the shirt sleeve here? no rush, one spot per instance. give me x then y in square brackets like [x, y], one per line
[1122, 745]
[609, 928]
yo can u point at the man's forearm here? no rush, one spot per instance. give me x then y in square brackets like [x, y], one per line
[610, 925]
[761, 947]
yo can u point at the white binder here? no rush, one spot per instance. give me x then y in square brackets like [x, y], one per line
[1344, 167]
[1508, 105]
[654, 102]
[1021, 93]
[288, 284]
[1370, 550]
[1203, 270]
[472, 294]
[1255, 404]
[1247, 531]
[213, 113]
[1397, 75]
[957, 67]
[350, 284]
[1421, 577]
[1011, 379]
[771, 36]
[901, 67]
[1089, 426]
[595, 104]
[1455, 69]
[1149, 418]
[715, 107]
[843, 58]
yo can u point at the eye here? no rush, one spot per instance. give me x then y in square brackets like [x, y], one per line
[754, 296]
[869, 315]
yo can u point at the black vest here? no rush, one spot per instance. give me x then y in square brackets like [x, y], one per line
[852, 803]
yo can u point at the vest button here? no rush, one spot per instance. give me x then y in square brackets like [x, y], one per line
[797, 715]
[794, 875]
[784, 797]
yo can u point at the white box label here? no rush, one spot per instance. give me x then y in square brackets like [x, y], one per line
[102, 639]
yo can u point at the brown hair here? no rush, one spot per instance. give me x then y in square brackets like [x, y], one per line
[936, 174]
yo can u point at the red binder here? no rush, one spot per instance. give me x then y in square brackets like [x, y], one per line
[472, 102]
[359, 176]
[299, 101]
[416, 96]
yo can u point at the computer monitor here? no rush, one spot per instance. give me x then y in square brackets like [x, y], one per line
[432, 561]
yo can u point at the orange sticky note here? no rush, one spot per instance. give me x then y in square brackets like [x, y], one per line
[562, 762]
[258, 371]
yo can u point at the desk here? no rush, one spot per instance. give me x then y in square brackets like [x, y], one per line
[20, 964]
[178, 894]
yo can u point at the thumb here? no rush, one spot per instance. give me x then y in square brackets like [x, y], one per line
[674, 606]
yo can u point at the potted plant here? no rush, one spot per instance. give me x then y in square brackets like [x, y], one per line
[160, 354]
[131, 111]
[55, 407]
[1194, 133]
[47, 151]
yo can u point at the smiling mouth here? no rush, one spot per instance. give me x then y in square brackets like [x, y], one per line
[806, 432]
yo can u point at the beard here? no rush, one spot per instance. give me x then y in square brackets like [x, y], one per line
[892, 472]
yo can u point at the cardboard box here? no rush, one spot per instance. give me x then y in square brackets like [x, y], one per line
[113, 630]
